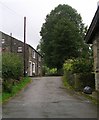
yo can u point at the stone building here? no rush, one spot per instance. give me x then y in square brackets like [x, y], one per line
[92, 37]
[33, 61]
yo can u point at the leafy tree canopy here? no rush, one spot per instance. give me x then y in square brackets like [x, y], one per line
[62, 36]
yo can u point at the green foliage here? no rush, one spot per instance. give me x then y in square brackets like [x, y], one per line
[79, 65]
[68, 65]
[12, 69]
[15, 89]
[82, 66]
[78, 73]
[7, 86]
[12, 66]
[66, 84]
[62, 36]
[47, 71]
[53, 70]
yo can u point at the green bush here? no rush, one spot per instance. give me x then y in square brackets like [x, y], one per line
[49, 71]
[12, 70]
[12, 66]
[7, 86]
[79, 65]
[78, 73]
[82, 65]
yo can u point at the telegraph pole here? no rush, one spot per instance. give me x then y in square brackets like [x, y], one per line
[11, 42]
[24, 46]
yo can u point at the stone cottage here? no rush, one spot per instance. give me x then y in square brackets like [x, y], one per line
[33, 61]
[92, 37]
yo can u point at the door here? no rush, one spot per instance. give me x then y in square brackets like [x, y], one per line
[30, 74]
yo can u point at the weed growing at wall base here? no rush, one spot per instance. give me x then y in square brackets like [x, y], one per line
[15, 89]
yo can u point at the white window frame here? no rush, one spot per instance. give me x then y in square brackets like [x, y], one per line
[19, 49]
[34, 54]
[3, 40]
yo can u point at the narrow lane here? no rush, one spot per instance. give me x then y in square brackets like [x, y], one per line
[46, 97]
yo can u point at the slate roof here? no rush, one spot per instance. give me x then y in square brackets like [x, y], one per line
[94, 28]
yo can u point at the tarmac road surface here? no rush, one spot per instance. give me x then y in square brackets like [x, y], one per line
[46, 97]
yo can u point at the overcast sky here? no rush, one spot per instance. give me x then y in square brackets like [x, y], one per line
[13, 12]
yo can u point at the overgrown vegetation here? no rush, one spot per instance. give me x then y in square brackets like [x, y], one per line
[78, 65]
[49, 72]
[78, 73]
[12, 75]
[12, 70]
[12, 66]
[15, 89]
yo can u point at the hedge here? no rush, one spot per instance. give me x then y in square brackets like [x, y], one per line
[12, 70]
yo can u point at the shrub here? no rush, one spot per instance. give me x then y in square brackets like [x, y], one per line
[82, 65]
[49, 71]
[45, 70]
[12, 69]
[12, 66]
[68, 65]
[7, 86]
[79, 65]
[78, 73]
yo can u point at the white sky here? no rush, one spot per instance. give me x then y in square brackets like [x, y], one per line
[13, 12]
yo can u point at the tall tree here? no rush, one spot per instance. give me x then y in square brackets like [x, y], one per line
[62, 36]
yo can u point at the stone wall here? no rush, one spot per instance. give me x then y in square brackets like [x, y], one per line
[96, 59]
[80, 80]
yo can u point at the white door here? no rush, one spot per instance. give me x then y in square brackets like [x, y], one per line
[33, 67]
[30, 74]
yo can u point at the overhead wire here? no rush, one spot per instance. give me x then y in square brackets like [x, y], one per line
[5, 11]
[30, 22]
[10, 9]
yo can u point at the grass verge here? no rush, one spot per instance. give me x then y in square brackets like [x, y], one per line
[93, 99]
[16, 88]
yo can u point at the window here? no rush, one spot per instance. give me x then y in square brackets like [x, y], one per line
[3, 41]
[33, 54]
[19, 49]
[39, 58]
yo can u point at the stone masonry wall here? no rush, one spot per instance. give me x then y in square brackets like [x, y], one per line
[96, 60]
